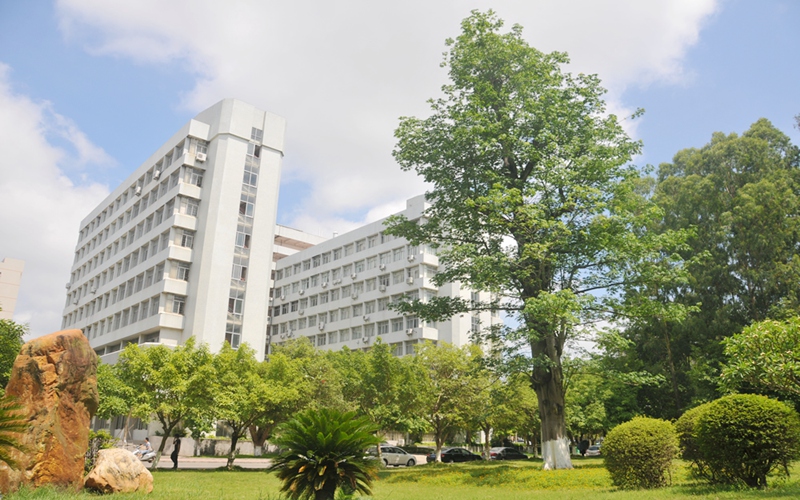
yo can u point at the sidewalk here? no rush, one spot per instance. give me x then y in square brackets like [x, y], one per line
[196, 463]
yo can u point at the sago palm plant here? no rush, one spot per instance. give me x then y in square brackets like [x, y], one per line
[12, 425]
[323, 450]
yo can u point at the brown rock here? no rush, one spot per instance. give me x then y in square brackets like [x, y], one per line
[55, 380]
[119, 471]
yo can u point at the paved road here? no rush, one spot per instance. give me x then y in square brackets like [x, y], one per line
[212, 463]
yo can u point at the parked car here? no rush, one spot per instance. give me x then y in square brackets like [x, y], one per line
[454, 455]
[506, 453]
[593, 451]
[392, 455]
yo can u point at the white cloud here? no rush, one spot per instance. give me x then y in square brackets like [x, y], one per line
[343, 72]
[40, 207]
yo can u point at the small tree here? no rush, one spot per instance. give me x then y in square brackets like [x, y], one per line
[639, 453]
[323, 450]
[686, 427]
[765, 356]
[11, 335]
[171, 384]
[744, 437]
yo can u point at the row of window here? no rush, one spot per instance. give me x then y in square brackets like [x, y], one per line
[368, 307]
[321, 321]
[379, 260]
[128, 316]
[178, 236]
[398, 348]
[190, 144]
[141, 339]
[176, 270]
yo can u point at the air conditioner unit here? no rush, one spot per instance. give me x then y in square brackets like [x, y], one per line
[301, 292]
[200, 157]
[321, 326]
[138, 191]
[382, 267]
[410, 281]
[354, 296]
[324, 284]
[93, 290]
[68, 286]
[366, 317]
[283, 297]
[301, 312]
[382, 288]
[365, 340]
[156, 174]
[75, 301]
[336, 282]
[353, 276]
[269, 319]
[411, 257]
[410, 331]
[290, 334]
[283, 335]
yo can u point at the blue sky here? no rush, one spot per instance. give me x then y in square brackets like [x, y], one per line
[89, 88]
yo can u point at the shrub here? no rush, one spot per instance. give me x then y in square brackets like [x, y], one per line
[686, 427]
[98, 440]
[744, 437]
[639, 453]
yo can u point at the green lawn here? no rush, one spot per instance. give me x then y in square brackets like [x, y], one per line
[498, 481]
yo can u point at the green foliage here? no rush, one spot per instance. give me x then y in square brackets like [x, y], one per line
[12, 424]
[170, 383]
[116, 397]
[765, 356]
[744, 437]
[324, 450]
[11, 335]
[739, 195]
[98, 440]
[531, 199]
[639, 453]
[686, 427]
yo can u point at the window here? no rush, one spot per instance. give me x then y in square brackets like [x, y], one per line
[333, 337]
[321, 339]
[358, 310]
[243, 238]
[397, 277]
[412, 322]
[189, 206]
[384, 258]
[306, 264]
[334, 315]
[369, 307]
[371, 284]
[183, 271]
[256, 134]
[186, 238]
[334, 295]
[383, 304]
[357, 333]
[372, 262]
[476, 324]
[383, 327]
[397, 324]
[315, 261]
[194, 176]
[344, 335]
[254, 150]
[398, 254]
[344, 313]
[178, 304]
[358, 267]
[337, 254]
[250, 175]
[372, 241]
[360, 245]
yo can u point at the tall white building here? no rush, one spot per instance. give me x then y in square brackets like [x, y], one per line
[170, 253]
[10, 278]
[337, 293]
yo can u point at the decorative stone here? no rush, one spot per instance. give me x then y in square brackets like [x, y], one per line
[119, 471]
[54, 378]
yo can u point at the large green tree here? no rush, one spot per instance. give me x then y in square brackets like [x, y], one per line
[739, 196]
[532, 199]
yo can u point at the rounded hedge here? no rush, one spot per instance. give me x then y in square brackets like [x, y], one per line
[686, 427]
[744, 437]
[639, 453]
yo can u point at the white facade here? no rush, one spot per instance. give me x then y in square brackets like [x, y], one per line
[10, 278]
[337, 293]
[168, 254]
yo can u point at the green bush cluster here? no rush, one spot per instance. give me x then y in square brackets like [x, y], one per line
[639, 453]
[741, 438]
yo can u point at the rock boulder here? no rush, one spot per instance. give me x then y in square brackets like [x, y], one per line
[118, 471]
[54, 378]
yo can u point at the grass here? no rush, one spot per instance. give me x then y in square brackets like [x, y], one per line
[472, 481]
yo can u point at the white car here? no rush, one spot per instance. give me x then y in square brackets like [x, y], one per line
[593, 451]
[392, 455]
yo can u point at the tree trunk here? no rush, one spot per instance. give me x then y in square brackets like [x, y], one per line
[487, 442]
[167, 431]
[260, 436]
[439, 438]
[232, 451]
[547, 381]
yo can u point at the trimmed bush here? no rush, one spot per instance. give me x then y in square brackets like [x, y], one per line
[686, 427]
[639, 453]
[744, 437]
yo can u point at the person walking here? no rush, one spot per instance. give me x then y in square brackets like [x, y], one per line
[176, 448]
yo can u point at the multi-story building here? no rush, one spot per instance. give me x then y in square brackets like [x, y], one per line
[10, 278]
[169, 253]
[337, 293]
